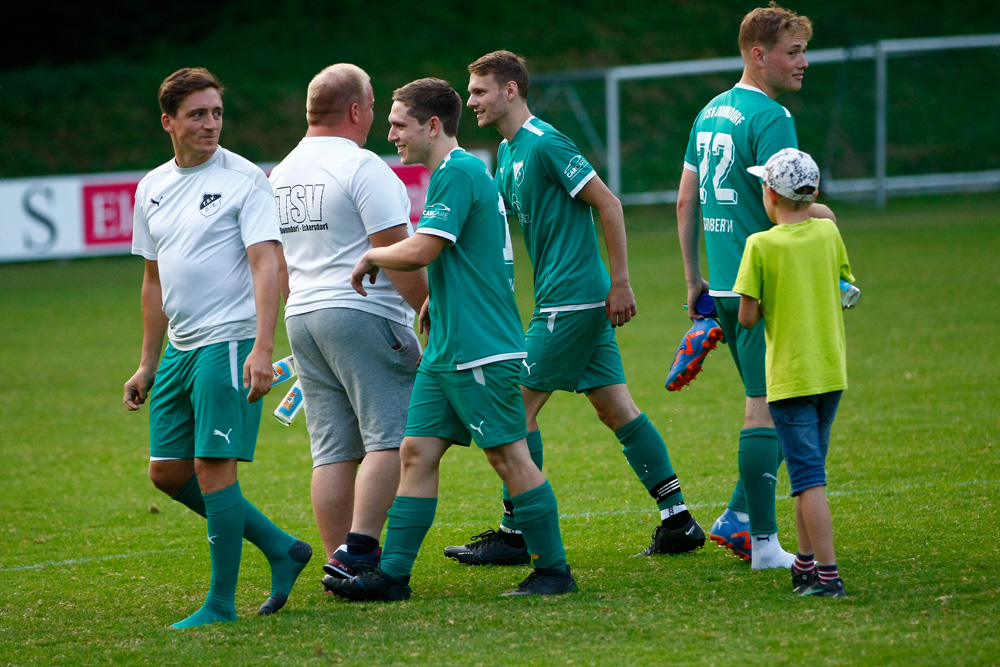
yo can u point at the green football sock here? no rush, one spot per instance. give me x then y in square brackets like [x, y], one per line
[225, 515]
[409, 520]
[646, 452]
[538, 517]
[534, 439]
[190, 496]
[284, 554]
[204, 616]
[738, 501]
[759, 458]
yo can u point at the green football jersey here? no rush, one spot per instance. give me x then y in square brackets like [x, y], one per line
[540, 171]
[474, 318]
[740, 128]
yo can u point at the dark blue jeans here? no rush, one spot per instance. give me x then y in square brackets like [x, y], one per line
[803, 425]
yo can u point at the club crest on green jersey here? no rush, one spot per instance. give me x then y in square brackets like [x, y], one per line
[518, 172]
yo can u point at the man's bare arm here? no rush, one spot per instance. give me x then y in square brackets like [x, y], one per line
[620, 307]
[411, 285]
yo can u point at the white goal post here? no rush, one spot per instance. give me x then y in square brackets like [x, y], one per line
[879, 186]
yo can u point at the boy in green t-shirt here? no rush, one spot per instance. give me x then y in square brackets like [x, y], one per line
[789, 277]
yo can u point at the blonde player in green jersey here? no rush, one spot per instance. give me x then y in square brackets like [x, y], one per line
[466, 386]
[570, 342]
[742, 128]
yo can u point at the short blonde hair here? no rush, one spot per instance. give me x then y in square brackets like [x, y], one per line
[765, 26]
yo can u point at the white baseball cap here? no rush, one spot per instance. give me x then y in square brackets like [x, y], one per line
[789, 170]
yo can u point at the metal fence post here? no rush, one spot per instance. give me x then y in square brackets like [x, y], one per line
[881, 125]
[612, 104]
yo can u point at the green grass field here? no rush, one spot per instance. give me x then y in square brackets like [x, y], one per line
[95, 563]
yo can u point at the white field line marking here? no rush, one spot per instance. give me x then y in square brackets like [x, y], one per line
[574, 515]
[89, 559]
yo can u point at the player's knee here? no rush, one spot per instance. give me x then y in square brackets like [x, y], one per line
[502, 459]
[606, 415]
[616, 416]
[412, 457]
[158, 478]
[757, 414]
[614, 406]
[502, 467]
[168, 479]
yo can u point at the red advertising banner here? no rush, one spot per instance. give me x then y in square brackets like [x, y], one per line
[107, 213]
[416, 178]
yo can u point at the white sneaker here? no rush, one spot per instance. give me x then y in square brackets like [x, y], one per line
[767, 553]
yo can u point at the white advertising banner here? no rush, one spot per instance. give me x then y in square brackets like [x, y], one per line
[66, 216]
[54, 217]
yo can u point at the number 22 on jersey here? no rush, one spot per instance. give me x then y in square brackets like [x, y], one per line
[716, 159]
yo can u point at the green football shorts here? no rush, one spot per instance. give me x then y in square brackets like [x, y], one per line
[482, 403]
[746, 345]
[199, 406]
[571, 350]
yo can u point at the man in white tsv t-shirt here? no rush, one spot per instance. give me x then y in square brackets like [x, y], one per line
[205, 224]
[356, 357]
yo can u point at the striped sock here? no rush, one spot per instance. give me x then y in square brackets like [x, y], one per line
[828, 573]
[646, 453]
[803, 563]
[675, 517]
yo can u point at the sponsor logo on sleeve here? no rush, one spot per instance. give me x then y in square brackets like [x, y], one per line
[436, 211]
[575, 166]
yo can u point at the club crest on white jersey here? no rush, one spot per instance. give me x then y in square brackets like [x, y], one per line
[211, 202]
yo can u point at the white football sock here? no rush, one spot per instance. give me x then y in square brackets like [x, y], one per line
[767, 553]
[672, 510]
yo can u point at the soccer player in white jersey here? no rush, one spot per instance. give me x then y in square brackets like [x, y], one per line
[205, 223]
[571, 346]
[466, 386]
[355, 356]
[741, 128]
